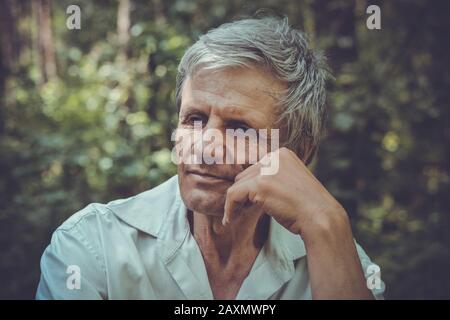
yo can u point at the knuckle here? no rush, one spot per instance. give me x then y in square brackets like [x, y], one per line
[263, 184]
[258, 200]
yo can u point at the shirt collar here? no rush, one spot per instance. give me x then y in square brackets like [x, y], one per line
[147, 210]
[150, 210]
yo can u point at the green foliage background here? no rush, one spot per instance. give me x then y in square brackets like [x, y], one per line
[101, 129]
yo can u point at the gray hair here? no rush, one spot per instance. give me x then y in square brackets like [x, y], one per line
[270, 42]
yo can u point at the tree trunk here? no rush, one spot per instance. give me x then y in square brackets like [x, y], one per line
[7, 36]
[123, 26]
[46, 48]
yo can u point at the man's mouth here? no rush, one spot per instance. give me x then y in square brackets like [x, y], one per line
[209, 177]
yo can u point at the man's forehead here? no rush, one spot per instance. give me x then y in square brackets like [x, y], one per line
[235, 87]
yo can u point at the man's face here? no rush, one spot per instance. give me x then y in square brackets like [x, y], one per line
[233, 98]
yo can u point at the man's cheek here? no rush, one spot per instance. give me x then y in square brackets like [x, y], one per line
[188, 145]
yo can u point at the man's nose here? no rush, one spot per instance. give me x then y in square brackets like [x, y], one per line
[210, 144]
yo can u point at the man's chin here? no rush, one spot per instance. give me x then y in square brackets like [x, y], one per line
[203, 204]
[206, 197]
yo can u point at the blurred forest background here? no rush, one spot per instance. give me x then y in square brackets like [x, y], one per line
[86, 116]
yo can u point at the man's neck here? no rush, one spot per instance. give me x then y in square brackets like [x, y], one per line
[235, 239]
[228, 252]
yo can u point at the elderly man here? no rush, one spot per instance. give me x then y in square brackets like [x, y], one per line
[226, 231]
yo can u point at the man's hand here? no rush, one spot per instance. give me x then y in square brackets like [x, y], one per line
[292, 196]
[300, 203]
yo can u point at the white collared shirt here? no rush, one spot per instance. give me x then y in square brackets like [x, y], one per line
[142, 248]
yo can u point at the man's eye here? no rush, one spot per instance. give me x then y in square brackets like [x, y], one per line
[239, 125]
[243, 127]
[195, 118]
[192, 118]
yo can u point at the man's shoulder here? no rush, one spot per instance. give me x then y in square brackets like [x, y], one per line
[134, 210]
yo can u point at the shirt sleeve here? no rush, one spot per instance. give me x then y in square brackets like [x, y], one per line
[71, 268]
[372, 273]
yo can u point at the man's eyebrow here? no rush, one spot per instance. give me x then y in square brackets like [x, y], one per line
[254, 117]
[235, 109]
[189, 108]
[230, 112]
